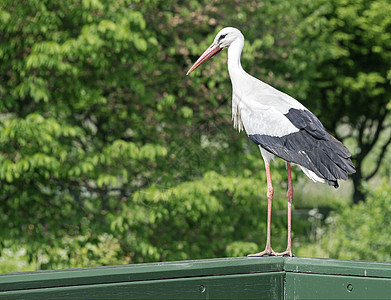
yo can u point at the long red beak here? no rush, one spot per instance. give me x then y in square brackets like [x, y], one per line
[212, 50]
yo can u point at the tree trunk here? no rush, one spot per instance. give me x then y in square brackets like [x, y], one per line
[358, 193]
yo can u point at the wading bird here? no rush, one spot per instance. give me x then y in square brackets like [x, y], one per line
[281, 126]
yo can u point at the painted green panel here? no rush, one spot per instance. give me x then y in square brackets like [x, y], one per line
[229, 278]
[318, 286]
[338, 267]
[129, 273]
[243, 286]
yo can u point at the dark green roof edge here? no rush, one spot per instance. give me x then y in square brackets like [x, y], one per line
[190, 268]
[337, 267]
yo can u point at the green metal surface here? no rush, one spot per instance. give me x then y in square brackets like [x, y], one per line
[228, 278]
[337, 267]
[246, 286]
[322, 286]
[139, 272]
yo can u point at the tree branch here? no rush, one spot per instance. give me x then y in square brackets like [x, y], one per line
[361, 154]
[368, 147]
[379, 160]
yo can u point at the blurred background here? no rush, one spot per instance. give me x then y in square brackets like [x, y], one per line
[109, 154]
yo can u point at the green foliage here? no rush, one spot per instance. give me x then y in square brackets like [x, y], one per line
[13, 260]
[104, 142]
[71, 91]
[341, 57]
[361, 232]
[177, 223]
[338, 69]
[110, 154]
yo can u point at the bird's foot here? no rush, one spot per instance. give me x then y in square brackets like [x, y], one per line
[267, 252]
[287, 252]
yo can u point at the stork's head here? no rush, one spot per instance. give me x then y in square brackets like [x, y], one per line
[223, 39]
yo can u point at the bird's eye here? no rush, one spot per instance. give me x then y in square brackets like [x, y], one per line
[222, 36]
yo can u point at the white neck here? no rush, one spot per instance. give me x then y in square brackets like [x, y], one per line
[234, 66]
[238, 76]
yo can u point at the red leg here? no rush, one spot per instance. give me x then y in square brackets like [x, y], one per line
[289, 195]
[270, 192]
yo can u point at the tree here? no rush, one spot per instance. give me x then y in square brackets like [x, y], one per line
[342, 60]
[109, 153]
[316, 51]
[96, 127]
[70, 87]
[359, 232]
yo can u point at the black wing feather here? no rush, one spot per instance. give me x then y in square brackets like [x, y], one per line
[311, 147]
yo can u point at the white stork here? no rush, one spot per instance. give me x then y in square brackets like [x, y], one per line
[281, 126]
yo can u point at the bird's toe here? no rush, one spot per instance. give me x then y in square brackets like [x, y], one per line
[285, 253]
[266, 252]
